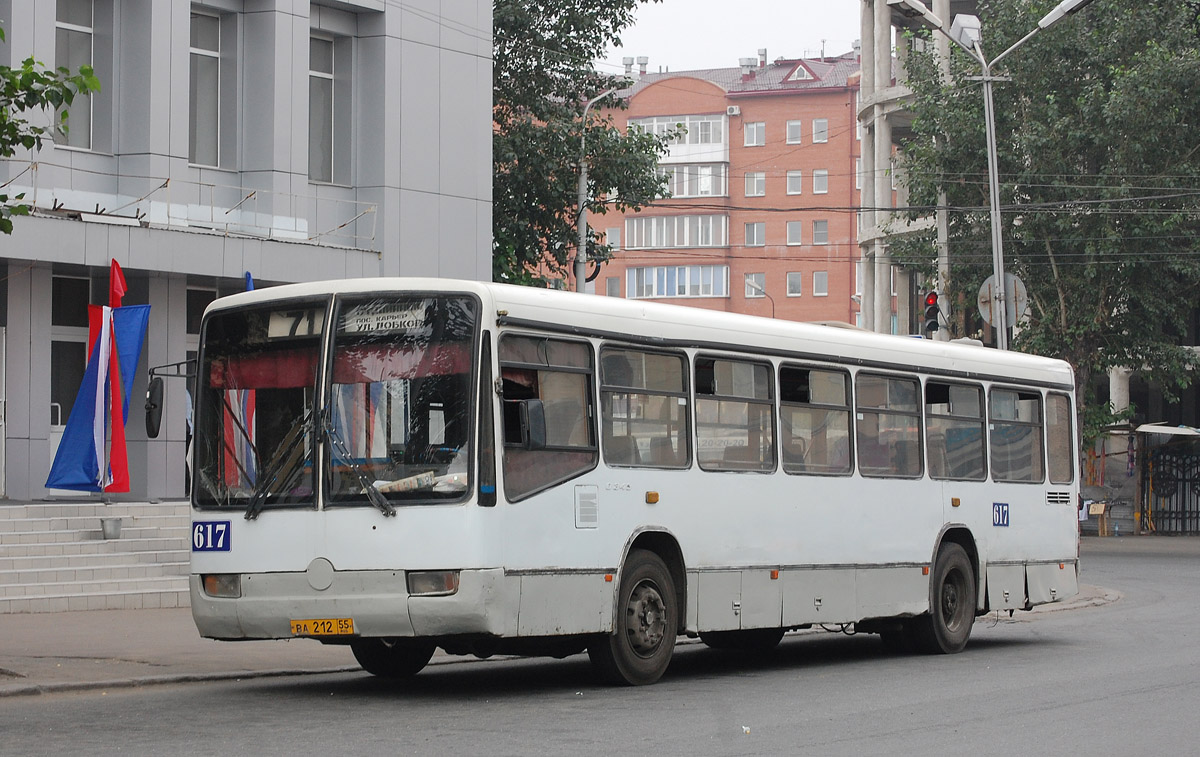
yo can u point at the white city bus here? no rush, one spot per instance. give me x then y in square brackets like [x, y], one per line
[405, 464]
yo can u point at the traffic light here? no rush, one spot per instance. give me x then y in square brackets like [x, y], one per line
[932, 312]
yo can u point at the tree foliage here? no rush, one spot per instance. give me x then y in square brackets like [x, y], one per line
[32, 87]
[1099, 164]
[543, 77]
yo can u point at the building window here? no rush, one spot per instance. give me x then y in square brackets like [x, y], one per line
[820, 283]
[756, 184]
[699, 180]
[320, 109]
[820, 182]
[699, 130]
[795, 284]
[858, 173]
[675, 231]
[756, 134]
[820, 232]
[612, 237]
[677, 281]
[756, 234]
[795, 232]
[794, 132]
[756, 285]
[612, 286]
[820, 130]
[795, 182]
[204, 126]
[73, 33]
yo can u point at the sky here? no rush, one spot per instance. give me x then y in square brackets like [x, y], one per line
[681, 35]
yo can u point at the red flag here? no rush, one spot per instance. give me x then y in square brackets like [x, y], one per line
[116, 285]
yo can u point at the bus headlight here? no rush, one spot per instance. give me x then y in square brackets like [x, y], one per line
[432, 583]
[224, 585]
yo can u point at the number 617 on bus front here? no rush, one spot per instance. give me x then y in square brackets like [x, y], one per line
[210, 536]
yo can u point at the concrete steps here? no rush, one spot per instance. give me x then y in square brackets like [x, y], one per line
[54, 557]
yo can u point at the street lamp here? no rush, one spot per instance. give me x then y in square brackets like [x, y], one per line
[581, 250]
[966, 32]
[758, 288]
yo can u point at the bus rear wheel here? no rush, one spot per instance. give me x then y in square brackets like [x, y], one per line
[639, 649]
[392, 658]
[947, 627]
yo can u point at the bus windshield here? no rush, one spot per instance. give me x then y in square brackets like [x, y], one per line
[392, 411]
[254, 413]
[399, 399]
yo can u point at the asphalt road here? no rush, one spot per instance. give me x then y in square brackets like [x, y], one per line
[1123, 678]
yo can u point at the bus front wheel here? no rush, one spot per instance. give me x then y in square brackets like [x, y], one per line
[392, 658]
[638, 651]
[947, 627]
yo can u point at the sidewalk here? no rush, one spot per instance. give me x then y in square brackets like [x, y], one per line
[69, 651]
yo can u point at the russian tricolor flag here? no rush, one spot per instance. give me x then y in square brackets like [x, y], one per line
[92, 456]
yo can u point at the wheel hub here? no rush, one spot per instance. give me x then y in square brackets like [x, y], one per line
[647, 613]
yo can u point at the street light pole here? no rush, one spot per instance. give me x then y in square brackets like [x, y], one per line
[1000, 309]
[754, 285]
[965, 30]
[581, 250]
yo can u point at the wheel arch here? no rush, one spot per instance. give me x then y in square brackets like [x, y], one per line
[663, 543]
[957, 533]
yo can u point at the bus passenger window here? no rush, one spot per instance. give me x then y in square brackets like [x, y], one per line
[954, 431]
[888, 431]
[559, 373]
[644, 409]
[815, 420]
[1060, 447]
[735, 423]
[1016, 425]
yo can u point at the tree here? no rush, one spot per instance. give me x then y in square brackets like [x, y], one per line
[29, 88]
[542, 79]
[1099, 178]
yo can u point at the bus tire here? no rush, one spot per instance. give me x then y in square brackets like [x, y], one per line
[947, 627]
[754, 640]
[644, 630]
[392, 658]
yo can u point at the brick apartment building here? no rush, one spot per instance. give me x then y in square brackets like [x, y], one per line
[764, 190]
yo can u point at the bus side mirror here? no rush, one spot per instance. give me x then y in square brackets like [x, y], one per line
[154, 402]
[533, 424]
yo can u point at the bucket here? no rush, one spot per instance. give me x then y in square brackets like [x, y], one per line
[110, 528]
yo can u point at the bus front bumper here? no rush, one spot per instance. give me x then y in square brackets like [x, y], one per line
[377, 601]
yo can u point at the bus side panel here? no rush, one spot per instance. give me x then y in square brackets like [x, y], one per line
[1006, 587]
[718, 601]
[762, 600]
[884, 592]
[565, 604]
[1051, 582]
[818, 595]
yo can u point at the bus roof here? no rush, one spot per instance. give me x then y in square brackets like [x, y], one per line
[680, 326]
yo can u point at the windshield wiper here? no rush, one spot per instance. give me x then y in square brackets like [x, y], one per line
[374, 495]
[282, 467]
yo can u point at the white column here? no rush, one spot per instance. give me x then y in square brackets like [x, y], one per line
[1118, 388]
[883, 199]
[867, 93]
